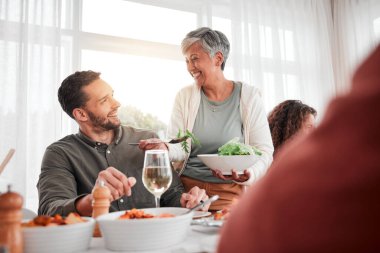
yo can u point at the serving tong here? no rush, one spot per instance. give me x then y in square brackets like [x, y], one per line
[172, 141]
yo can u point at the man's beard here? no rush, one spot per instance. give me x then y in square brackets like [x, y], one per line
[102, 122]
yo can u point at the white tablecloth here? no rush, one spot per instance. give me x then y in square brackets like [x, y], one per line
[199, 239]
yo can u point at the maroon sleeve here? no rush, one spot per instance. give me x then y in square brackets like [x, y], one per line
[322, 192]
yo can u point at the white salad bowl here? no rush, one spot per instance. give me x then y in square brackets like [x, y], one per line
[226, 163]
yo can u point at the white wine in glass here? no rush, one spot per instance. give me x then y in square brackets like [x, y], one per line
[157, 173]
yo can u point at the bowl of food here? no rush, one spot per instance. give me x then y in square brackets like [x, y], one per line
[56, 234]
[144, 229]
[232, 155]
[226, 163]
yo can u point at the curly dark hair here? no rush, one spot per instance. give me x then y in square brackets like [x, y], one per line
[286, 119]
[70, 93]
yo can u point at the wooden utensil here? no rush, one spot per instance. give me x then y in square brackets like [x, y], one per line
[6, 159]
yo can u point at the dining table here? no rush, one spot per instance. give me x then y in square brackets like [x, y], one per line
[198, 239]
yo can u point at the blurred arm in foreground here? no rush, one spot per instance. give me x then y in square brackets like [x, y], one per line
[322, 192]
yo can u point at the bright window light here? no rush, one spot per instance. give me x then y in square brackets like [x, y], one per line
[266, 45]
[149, 84]
[10, 11]
[291, 87]
[286, 45]
[8, 93]
[137, 21]
[223, 25]
[269, 91]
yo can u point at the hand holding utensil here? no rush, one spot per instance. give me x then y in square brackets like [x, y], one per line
[203, 203]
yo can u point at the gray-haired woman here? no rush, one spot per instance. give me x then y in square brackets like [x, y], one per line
[216, 110]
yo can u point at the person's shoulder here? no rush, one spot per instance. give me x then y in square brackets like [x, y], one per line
[248, 90]
[188, 89]
[127, 128]
[67, 143]
[249, 87]
[142, 132]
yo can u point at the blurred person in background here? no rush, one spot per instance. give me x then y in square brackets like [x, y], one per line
[322, 192]
[289, 118]
[216, 110]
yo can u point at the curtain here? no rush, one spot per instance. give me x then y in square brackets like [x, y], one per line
[284, 48]
[356, 32]
[31, 61]
[290, 49]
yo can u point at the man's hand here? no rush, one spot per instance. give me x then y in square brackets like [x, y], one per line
[118, 183]
[194, 197]
[152, 143]
[235, 176]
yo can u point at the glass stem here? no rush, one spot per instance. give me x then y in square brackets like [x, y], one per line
[157, 201]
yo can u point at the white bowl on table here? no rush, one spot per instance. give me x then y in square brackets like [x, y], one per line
[226, 163]
[145, 234]
[58, 239]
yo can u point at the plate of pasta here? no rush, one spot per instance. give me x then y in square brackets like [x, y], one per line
[45, 234]
[129, 230]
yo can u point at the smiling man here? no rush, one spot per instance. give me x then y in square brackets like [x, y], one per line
[99, 151]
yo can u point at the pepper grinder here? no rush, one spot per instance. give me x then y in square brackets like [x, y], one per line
[10, 221]
[100, 204]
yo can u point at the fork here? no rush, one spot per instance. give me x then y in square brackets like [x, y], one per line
[172, 141]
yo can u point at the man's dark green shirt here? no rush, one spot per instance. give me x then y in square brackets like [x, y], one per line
[71, 166]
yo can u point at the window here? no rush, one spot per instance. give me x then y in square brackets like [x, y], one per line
[286, 45]
[147, 83]
[281, 48]
[136, 21]
[269, 91]
[266, 45]
[143, 63]
[291, 87]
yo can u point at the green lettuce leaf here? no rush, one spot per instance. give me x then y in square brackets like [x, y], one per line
[234, 147]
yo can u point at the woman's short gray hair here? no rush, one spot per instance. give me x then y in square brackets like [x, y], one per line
[212, 41]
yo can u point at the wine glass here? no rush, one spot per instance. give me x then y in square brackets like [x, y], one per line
[157, 173]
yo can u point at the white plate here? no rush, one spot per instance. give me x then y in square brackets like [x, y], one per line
[226, 163]
[206, 229]
[208, 222]
[200, 214]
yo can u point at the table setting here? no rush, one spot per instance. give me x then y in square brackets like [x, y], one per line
[156, 229]
[164, 229]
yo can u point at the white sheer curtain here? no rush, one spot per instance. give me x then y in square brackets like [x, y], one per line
[356, 32]
[290, 49]
[284, 48]
[31, 62]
